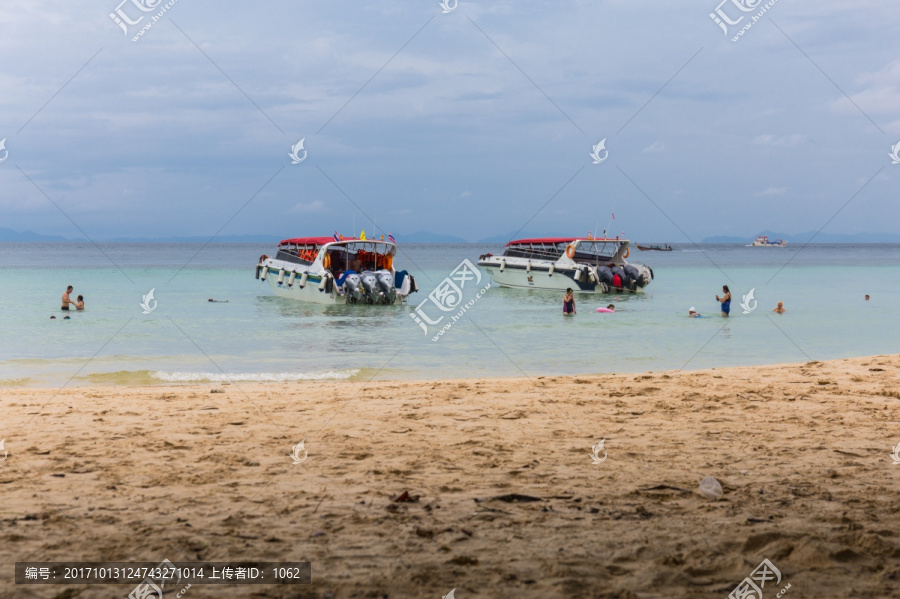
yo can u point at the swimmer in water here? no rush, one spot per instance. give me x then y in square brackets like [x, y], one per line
[693, 313]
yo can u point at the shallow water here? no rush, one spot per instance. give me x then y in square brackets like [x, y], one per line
[256, 336]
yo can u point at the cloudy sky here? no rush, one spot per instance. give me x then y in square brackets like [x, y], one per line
[470, 123]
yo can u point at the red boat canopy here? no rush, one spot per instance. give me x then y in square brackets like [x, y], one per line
[312, 240]
[558, 240]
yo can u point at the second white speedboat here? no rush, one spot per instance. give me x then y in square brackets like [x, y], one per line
[584, 264]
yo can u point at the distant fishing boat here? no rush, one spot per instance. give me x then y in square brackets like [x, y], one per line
[584, 264]
[655, 248]
[763, 241]
[333, 270]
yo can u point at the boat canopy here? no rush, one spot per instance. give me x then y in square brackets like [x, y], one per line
[368, 254]
[557, 240]
[587, 251]
[309, 241]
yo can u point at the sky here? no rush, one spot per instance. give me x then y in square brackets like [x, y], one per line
[473, 122]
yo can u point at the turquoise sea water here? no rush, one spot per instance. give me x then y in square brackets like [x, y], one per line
[256, 336]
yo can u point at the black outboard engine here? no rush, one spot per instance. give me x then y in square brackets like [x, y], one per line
[605, 275]
[634, 277]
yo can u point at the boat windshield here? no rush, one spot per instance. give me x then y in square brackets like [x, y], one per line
[301, 253]
[595, 252]
[360, 256]
[536, 251]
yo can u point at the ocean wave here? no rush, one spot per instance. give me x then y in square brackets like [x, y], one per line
[218, 377]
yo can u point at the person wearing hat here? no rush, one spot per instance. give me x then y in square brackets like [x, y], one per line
[693, 313]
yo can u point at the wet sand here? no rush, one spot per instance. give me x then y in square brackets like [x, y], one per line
[507, 499]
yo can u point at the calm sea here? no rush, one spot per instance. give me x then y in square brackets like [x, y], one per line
[258, 337]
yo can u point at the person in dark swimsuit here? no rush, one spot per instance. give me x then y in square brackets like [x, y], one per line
[66, 302]
[725, 300]
[569, 302]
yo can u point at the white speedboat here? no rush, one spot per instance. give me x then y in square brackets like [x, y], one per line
[584, 264]
[763, 241]
[329, 270]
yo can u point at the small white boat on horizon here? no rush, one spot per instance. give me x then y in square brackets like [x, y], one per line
[583, 263]
[331, 270]
[763, 241]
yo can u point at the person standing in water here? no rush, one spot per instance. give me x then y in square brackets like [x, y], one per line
[66, 302]
[569, 302]
[79, 305]
[725, 300]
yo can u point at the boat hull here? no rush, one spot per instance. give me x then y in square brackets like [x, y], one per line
[518, 276]
[313, 291]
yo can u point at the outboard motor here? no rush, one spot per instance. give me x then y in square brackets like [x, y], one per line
[634, 276]
[605, 275]
[353, 287]
[370, 284]
[386, 284]
[645, 275]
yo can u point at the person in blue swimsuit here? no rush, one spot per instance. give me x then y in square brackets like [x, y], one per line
[569, 302]
[725, 300]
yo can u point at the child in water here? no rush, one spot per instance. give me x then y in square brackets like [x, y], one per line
[569, 302]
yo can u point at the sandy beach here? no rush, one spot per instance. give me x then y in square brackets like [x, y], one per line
[505, 500]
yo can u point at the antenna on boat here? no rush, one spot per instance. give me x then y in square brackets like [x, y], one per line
[612, 217]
